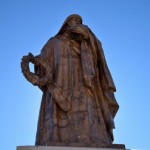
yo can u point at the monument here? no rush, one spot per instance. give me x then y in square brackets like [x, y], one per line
[78, 103]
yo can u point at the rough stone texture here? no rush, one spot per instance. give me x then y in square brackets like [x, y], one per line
[63, 148]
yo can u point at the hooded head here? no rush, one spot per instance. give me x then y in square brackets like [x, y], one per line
[73, 19]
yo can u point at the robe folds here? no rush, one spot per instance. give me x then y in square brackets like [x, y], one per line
[77, 106]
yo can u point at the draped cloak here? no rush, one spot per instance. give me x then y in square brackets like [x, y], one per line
[71, 110]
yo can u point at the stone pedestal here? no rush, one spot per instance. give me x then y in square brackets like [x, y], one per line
[64, 148]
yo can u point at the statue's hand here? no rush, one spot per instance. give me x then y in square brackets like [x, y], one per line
[80, 30]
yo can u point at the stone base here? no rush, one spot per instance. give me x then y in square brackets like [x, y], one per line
[74, 146]
[62, 148]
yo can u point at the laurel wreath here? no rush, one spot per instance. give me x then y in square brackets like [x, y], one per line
[31, 77]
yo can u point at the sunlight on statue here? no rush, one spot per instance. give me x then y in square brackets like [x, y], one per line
[78, 103]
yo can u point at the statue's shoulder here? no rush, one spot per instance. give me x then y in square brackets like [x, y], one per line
[55, 42]
[52, 40]
[57, 39]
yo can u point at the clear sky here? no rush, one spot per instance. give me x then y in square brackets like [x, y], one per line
[123, 27]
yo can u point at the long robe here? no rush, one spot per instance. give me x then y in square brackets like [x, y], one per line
[70, 110]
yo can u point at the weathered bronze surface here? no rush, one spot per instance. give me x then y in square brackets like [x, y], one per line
[78, 103]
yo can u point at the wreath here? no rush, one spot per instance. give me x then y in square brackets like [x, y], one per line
[31, 77]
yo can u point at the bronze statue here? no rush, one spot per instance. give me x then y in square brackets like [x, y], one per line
[78, 103]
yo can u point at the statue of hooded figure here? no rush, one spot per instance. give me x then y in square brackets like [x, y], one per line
[78, 103]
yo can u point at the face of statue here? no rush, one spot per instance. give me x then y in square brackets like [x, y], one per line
[74, 21]
[71, 27]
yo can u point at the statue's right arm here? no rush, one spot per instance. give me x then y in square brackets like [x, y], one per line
[45, 67]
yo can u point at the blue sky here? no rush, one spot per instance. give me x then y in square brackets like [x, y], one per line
[123, 27]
